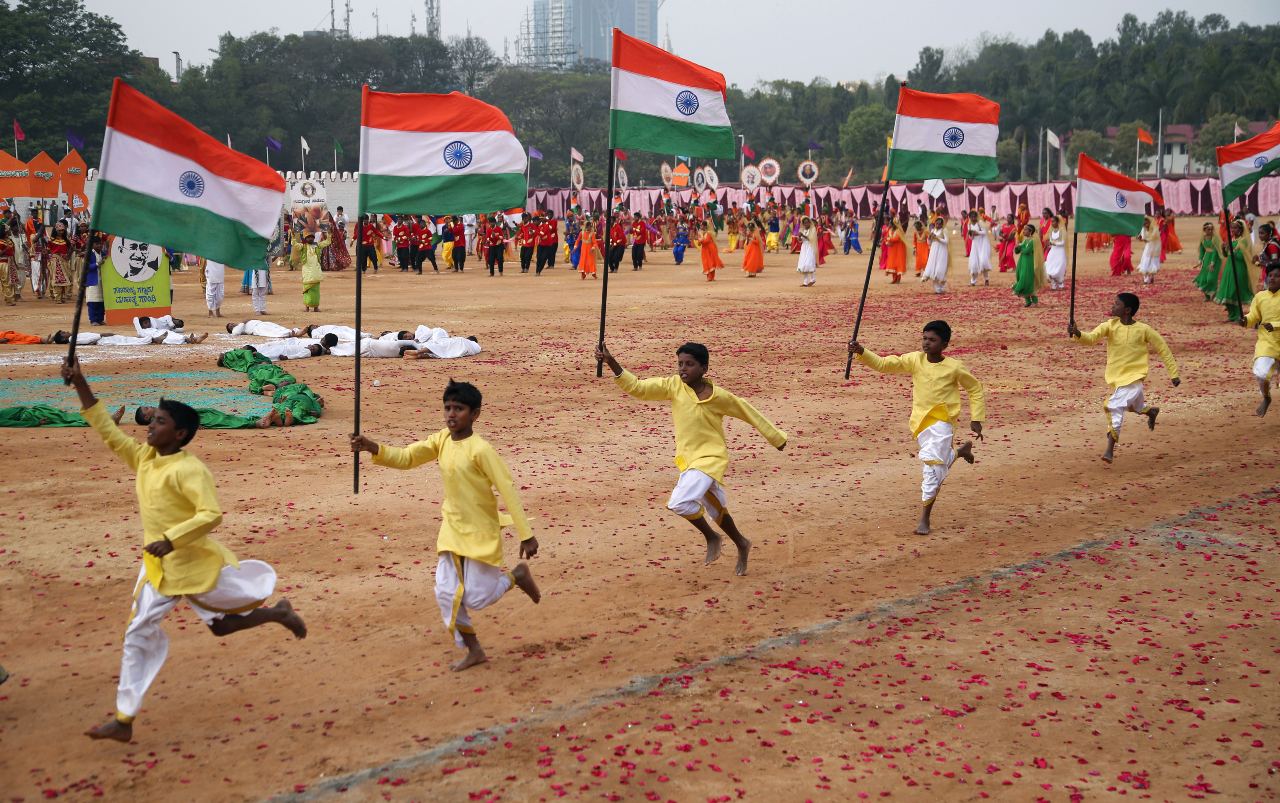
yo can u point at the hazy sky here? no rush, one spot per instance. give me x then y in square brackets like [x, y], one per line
[747, 40]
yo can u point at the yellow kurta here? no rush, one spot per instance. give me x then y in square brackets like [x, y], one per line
[311, 273]
[935, 387]
[1127, 351]
[699, 423]
[1265, 308]
[177, 501]
[471, 469]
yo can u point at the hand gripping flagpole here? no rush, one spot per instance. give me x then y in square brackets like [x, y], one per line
[608, 229]
[875, 243]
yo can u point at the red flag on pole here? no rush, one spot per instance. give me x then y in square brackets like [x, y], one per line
[1145, 136]
[17, 131]
[747, 152]
[622, 155]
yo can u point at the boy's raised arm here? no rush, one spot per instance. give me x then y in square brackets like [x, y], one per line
[129, 450]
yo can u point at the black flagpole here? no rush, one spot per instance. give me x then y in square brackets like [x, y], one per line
[866, 283]
[360, 224]
[75, 322]
[1075, 248]
[608, 248]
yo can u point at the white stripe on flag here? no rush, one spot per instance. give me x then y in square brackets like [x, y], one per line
[1243, 167]
[940, 136]
[1107, 198]
[142, 167]
[633, 92]
[387, 152]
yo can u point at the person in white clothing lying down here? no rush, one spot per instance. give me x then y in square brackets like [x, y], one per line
[152, 337]
[259, 328]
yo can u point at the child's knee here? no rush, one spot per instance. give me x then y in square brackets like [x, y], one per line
[685, 508]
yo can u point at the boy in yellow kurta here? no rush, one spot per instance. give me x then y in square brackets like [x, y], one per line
[469, 547]
[1127, 364]
[1264, 315]
[698, 409]
[179, 508]
[936, 380]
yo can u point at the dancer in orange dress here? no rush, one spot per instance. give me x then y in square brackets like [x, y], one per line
[920, 243]
[753, 254]
[895, 251]
[711, 261]
[587, 253]
[1171, 243]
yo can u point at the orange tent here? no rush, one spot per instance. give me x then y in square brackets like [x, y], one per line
[15, 177]
[71, 170]
[44, 176]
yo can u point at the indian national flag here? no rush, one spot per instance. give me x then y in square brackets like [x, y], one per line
[662, 103]
[165, 182]
[944, 136]
[1245, 163]
[442, 154]
[1109, 202]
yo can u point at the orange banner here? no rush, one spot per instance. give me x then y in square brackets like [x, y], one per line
[44, 176]
[15, 177]
[71, 170]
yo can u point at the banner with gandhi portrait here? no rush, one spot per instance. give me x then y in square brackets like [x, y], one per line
[135, 281]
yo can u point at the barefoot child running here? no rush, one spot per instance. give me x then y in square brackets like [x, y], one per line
[698, 409]
[469, 547]
[1127, 364]
[936, 380]
[179, 508]
[1264, 314]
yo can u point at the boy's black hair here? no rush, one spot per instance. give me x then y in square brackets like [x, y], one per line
[329, 341]
[463, 393]
[1273, 266]
[1131, 301]
[941, 328]
[697, 351]
[183, 417]
[139, 418]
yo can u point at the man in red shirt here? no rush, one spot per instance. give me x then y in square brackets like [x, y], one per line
[639, 238]
[548, 236]
[617, 245]
[402, 234]
[459, 243]
[527, 239]
[372, 239]
[424, 246]
[495, 242]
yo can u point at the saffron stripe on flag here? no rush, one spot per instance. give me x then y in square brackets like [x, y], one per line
[430, 113]
[184, 228]
[962, 107]
[638, 56]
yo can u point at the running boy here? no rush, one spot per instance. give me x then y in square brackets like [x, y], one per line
[698, 409]
[469, 546]
[936, 380]
[1127, 364]
[179, 508]
[1264, 314]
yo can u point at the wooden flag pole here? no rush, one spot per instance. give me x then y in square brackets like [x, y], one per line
[866, 282]
[360, 223]
[75, 321]
[1075, 249]
[608, 227]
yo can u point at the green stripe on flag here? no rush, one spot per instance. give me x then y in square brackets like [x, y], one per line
[1090, 220]
[442, 195]
[1241, 185]
[645, 132]
[924, 165]
[186, 229]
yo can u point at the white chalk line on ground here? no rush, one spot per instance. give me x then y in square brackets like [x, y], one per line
[1157, 531]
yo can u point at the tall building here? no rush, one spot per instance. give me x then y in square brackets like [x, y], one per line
[556, 34]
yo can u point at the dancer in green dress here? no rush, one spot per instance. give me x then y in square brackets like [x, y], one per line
[1030, 276]
[1210, 261]
[1235, 288]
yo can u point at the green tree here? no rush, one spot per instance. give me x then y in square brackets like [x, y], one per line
[474, 61]
[1124, 143]
[1008, 158]
[862, 139]
[1220, 130]
[1088, 142]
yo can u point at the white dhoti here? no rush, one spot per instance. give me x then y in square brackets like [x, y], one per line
[1124, 399]
[697, 494]
[464, 585]
[239, 591]
[937, 453]
[258, 328]
[259, 284]
[1264, 368]
[95, 339]
[171, 338]
[345, 334]
[214, 292]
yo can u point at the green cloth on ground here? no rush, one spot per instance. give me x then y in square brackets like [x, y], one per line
[268, 373]
[39, 415]
[299, 400]
[216, 419]
[242, 359]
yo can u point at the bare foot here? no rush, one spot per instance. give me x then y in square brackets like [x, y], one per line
[119, 414]
[744, 550]
[1151, 414]
[158, 339]
[474, 658]
[200, 338]
[965, 452]
[922, 528]
[290, 618]
[713, 549]
[113, 729]
[1262, 408]
[524, 581]
[288, 418]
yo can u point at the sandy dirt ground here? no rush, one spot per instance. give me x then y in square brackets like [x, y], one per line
[1071, 630]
